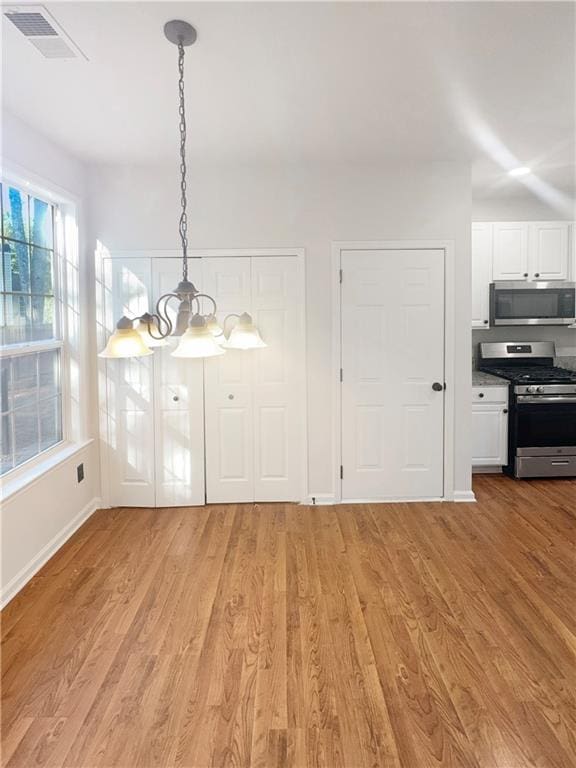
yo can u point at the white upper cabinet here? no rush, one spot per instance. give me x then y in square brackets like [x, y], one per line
[510, 255]
[481, 273]
[535, 250]
[549, 250]
[518, 250]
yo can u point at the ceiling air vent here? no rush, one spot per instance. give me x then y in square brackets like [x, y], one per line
[42, 30]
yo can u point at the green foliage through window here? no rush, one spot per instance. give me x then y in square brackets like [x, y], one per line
[26, 277]
[30, 380]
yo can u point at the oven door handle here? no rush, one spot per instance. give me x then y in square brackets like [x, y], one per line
[521, 399]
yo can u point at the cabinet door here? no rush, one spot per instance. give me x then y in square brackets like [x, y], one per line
[481, 273]
[228, 391]
[129, 390]
[179, 405]
[510, 258]
[549, 250]
[489, 435]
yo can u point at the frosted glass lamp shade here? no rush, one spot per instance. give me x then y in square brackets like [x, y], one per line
[244, 335]
[215, 329]
[198, 341]
[125, 342]
[146, 326]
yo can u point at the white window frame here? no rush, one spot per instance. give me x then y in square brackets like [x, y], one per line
[66, 248]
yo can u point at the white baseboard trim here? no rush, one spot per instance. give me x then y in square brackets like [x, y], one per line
[319, 499]
[392, 500]
[464, 496]
[486, 470]
[324, 498]
[10, 590]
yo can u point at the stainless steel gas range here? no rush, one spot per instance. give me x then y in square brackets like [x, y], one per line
[542, 412]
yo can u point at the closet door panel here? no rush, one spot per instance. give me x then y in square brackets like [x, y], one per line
[179, 412]
[278, 371]
[129, 390]
[229, 411]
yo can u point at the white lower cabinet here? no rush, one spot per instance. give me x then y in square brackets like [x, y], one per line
[489, 426]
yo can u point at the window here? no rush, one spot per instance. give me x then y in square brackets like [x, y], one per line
[30, 342]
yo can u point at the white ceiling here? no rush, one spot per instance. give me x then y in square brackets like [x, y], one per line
[312, 82]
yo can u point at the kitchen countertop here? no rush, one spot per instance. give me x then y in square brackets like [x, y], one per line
[481, 379]
[568, 362]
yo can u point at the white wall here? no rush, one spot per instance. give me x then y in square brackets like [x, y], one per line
[137, 208]
[522, 208]
[38, 518]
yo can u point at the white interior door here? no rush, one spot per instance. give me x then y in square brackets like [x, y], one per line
[179, 405]
[277, 377]
[129, 390]
[228, 391]
[392, 353]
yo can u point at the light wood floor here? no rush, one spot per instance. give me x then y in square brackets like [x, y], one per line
[276, 635]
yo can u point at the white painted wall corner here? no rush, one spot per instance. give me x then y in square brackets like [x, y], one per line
[464, 496]
[11, 589]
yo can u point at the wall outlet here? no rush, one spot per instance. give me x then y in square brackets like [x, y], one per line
[80, 472]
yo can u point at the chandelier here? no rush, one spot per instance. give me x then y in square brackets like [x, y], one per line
[200, 334]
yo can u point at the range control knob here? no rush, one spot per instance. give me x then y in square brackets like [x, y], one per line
[539, 389]
[530, 389]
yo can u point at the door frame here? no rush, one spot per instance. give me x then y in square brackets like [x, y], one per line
[102, 254]
[449, 352]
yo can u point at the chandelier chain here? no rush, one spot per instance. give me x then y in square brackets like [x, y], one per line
[183, 227]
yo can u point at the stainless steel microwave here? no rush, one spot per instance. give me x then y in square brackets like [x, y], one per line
[537, 303]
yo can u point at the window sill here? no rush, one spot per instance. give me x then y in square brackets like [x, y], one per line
[10, 487]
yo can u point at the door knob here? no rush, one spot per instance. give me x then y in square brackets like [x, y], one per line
[437, 387]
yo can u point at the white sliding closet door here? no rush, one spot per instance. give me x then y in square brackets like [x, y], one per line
[278, 417]
[129, 390]
[225, 429]
[179, 406]
[254, 398]
[228, 391]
